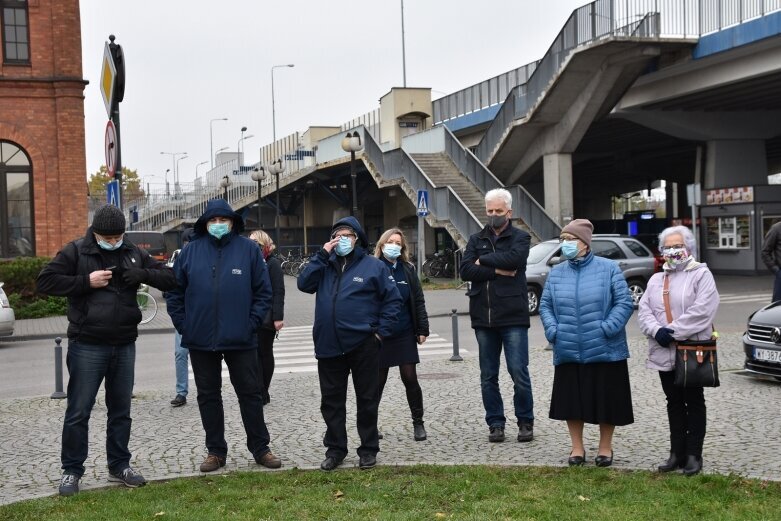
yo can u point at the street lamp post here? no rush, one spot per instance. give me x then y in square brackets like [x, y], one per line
[211, 137]
[276, 168]
[352, 143]
[240, 144]
[273, 110]
[259, 175]
[173, 163]
[225, 183]
[176, 175]
[198, 165]
[167, 190]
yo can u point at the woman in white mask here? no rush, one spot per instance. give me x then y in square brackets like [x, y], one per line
[693, 301]
[401, 348]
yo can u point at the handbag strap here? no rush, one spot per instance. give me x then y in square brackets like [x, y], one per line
[666, 298]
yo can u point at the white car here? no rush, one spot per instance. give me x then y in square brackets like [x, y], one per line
[7, 318]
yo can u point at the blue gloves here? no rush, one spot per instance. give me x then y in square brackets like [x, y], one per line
[664, 336]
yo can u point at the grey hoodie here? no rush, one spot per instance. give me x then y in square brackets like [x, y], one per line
[694, 301]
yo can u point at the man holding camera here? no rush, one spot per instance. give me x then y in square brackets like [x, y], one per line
[100, 274]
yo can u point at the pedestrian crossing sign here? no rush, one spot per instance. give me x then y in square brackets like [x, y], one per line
[423, 203]
[112, 193]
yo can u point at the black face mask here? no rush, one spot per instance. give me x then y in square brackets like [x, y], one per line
[497, 221]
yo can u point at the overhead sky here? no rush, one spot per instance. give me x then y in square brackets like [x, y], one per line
[190, 61]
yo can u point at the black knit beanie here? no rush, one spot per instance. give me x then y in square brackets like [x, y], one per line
[108, 220]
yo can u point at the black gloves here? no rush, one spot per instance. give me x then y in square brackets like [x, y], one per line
[134, 276]
[664, 336]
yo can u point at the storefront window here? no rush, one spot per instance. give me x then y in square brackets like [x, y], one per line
[728, 233]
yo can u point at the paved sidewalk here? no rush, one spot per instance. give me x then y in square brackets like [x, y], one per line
[743, 423]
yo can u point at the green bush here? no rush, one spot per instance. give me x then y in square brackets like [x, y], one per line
[18, 276]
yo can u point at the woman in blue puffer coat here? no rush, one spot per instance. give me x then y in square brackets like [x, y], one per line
[584, 308]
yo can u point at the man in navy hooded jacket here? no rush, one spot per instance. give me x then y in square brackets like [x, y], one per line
[356, 306]
[224, 292]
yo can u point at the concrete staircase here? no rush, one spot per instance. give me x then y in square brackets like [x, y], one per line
[443, 172]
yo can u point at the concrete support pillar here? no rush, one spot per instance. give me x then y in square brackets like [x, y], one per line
[557, 175]
[735, 163]
[671, 200]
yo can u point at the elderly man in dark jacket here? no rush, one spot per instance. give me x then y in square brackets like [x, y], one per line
[356, 306]
[495, 263]
[224, 292]
[100, 274]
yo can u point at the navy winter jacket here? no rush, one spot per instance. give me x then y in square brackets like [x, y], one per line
[584, 308]
[224, 289]
[354, 300]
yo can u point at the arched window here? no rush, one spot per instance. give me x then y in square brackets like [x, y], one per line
[16, 202]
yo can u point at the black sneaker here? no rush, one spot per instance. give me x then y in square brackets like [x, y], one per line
[525, 432]
[496, 434]
[128, 477]
[69, 484]
[178, 401]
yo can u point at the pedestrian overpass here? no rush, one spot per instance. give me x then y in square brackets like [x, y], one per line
[629, 93]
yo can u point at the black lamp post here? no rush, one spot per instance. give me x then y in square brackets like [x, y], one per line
[275, 169]
[225, 183]
[259, 175]
[352, 144]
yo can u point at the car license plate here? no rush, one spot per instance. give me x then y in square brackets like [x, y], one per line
[767, 354]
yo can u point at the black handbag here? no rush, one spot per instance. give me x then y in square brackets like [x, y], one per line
[696, 361]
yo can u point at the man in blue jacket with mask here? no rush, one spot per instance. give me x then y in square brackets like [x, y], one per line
[356, 306]
[224, 292]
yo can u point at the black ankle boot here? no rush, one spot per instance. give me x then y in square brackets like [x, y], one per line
[672, 463]
[419, 432]
[693, 465]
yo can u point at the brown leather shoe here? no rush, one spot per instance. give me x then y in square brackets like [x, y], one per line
[212, 463]
[269, 461]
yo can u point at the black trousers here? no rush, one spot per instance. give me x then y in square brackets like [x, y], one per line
[266, 358]
[243, 369]
[363, 363]
[686, 413]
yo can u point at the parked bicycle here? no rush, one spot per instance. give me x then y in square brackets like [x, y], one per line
[440, 265]
[146, 303]
[293, 264]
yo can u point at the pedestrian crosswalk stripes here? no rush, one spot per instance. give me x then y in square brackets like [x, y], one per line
[741, 298]
[294, 350]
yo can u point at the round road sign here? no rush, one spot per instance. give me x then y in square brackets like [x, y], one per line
[111, 148]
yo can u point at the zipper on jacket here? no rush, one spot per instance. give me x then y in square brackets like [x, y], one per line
[333, 303]
[488, 283]
[577, 300]
[215, 291]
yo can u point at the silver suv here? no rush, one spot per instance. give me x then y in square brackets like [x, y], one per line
[635, 259]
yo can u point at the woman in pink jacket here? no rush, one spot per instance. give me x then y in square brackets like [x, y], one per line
[693, 303]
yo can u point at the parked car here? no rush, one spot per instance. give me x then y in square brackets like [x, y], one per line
[635, 259]
[762, 341]
[7, 318]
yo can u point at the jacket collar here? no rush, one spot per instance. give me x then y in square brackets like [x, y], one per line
[487, 232]
[580, 262]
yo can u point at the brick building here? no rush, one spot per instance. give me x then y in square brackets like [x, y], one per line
[43, 190]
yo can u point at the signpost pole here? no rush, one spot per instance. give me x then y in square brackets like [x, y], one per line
[113, 90]
[422, 213]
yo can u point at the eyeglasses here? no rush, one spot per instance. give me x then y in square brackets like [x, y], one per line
[339, 236]
[676, 246]
[562, 239]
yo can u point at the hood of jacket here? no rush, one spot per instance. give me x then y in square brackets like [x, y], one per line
[353, 223]
[218, 208]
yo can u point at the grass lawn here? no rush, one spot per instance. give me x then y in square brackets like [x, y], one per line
[422, 492]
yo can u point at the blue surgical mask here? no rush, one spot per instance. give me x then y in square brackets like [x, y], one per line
[219, 230]
[391, 251]
[569, 249]
[344, 246]
[108, 246]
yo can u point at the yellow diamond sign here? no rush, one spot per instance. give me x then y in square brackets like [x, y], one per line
[108, 78]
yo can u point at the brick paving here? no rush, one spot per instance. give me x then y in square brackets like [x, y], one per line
[743, 423]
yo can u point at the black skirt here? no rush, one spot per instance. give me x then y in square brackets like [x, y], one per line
[593, 393]
[399, 350]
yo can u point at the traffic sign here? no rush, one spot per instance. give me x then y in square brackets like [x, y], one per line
[112, 193]
[423, 203]
[108, 79]
[110, 144]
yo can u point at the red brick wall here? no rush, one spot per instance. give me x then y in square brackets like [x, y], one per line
[42, 110]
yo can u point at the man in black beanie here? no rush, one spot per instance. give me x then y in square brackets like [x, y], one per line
[100, 274]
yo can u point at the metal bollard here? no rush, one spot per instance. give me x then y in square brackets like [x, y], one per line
[456, 357]
[58, 394]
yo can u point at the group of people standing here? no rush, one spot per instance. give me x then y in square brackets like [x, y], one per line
[225, 296]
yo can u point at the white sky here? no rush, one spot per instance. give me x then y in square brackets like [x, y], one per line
[189, 61]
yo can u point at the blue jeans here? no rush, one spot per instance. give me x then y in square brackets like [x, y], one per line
[180, 358]
[88, 365]
[516, 353]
